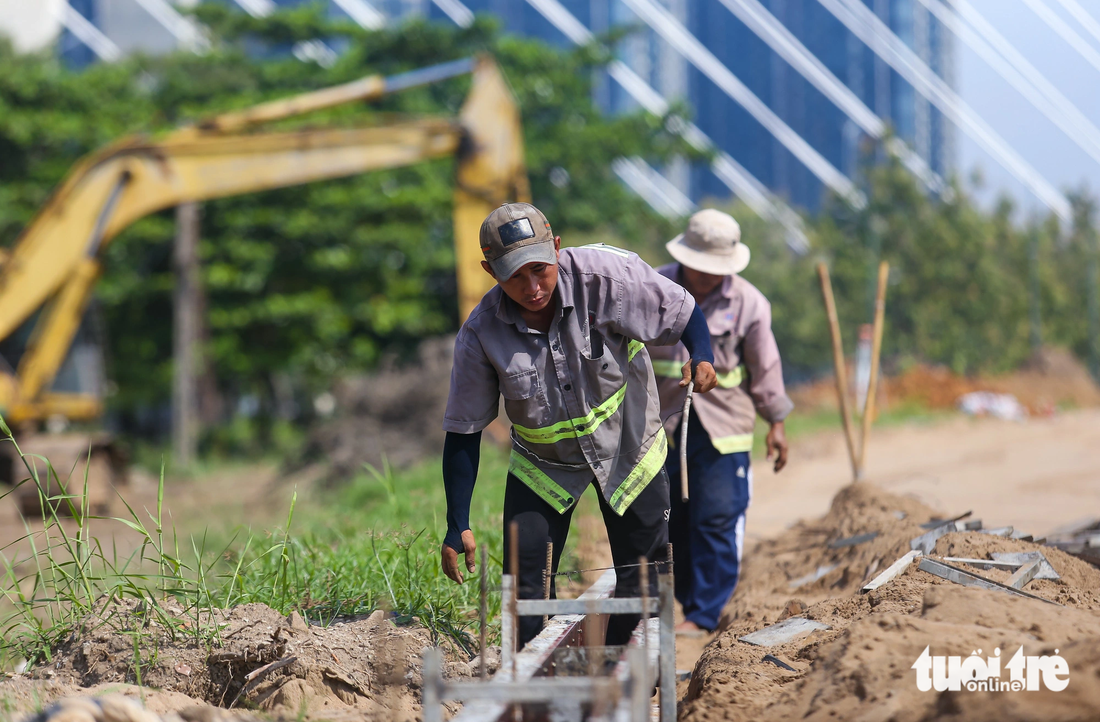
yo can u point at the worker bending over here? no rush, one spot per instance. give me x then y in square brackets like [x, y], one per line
[562, 338]
[708, 532]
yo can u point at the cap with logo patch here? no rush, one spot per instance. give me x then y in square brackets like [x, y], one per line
[513, 236]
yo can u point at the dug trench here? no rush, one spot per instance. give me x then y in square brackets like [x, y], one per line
[257, 662]
[860, 668]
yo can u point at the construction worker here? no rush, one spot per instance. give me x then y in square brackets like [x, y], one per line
[708, 531]
[562, 338]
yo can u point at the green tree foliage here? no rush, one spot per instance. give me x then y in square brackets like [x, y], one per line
[959, 278]
[313, 281]
[319, 279]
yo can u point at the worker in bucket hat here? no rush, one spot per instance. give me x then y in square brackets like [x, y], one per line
[708, 530]
[562, 338]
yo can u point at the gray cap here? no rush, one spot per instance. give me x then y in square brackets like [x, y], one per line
[513, 236]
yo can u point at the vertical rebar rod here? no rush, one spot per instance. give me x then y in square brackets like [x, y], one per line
[483, 616]
[547, 577]
[667, 656]
[513, 567]
[507, 624]
[591, 624]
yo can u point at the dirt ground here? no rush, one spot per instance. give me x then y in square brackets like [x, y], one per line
[361, 669]
[1036, 476]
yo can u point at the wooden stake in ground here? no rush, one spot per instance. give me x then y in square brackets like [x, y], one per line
[838, 364]
[876, 351]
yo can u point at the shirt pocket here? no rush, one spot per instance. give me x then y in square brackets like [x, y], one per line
[727, 352]
[525, 404]
[602, 375]
[520, 386]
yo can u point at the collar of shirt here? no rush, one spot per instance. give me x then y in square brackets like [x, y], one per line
[508, 310]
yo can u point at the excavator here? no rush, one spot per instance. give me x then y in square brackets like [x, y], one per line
[51, 368]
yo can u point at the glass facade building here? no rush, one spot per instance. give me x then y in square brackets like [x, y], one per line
[790, 96]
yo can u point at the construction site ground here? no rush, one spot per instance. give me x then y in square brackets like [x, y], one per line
[1036, 476]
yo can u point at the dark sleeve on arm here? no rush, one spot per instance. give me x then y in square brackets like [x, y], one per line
[461, 453]
[696, 338]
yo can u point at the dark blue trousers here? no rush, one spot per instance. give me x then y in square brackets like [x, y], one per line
[707, 532]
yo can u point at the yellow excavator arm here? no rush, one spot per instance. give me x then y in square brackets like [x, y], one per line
[57, 260]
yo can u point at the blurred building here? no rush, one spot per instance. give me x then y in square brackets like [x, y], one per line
[806, 110]
[133, 25]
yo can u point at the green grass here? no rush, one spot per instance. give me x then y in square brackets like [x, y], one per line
[371, 544]
[375, 543]
[67, 574]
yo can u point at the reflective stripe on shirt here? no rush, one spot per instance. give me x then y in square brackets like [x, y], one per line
[573, 428]
[732, 444]
[539, 483]
[588, 416]
[640, 476]
[582, 425]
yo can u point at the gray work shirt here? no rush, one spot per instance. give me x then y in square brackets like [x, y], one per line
[746, 360]
[582, 398]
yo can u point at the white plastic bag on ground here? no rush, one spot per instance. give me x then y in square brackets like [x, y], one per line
[987, 403]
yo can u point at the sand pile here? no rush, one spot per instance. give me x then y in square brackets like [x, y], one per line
[366, 669]
[1051, 378]
[860, 668]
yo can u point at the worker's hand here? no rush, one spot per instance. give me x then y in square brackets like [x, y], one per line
[450, 557]
[776, 443]
[705, 378]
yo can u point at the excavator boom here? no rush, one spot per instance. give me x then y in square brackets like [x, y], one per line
[56, 261]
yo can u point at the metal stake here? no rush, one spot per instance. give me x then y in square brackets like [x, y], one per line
[507, 624]
[668, 649]
[590, 642]
[547, 576]
[513, 564]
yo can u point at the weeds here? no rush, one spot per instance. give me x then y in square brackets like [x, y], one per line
[348, 556]
[384, 478]
[68, 576]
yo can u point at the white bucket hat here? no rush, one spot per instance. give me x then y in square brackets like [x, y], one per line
[711, 244]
